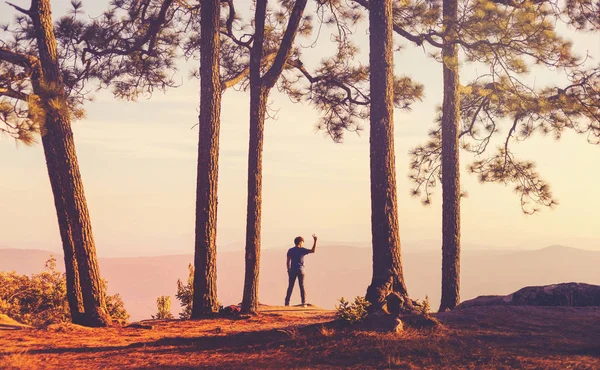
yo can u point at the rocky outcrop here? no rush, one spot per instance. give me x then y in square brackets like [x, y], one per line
[565, 294]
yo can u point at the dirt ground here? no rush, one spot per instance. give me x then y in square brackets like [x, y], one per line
[474, 338]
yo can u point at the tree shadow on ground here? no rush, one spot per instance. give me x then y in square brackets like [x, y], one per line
[498, 337]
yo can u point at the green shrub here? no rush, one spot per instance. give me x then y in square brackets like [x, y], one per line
[352, 313]
[115, 306]
[38, 300]
[41, 299]
[163, 305]
[424, 308]
[185, 294]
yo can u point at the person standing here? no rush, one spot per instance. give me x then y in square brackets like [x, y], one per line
[295, 267]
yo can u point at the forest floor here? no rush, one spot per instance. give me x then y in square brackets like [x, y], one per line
[497, 337]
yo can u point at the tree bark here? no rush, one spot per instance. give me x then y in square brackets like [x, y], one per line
[205, 256]
[387, 262]
[84, 288]
[258, 107]
[450, 164]
[260, 86]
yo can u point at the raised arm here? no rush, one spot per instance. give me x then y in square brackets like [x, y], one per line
[314, 248]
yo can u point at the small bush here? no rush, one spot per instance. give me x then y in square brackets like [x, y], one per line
[114, 304]
[38, 300]
[185, 294]
[163, 305]
[41, 299]
[424, 308]
[352, 313]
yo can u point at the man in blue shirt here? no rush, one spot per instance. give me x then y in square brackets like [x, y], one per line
[295, 267]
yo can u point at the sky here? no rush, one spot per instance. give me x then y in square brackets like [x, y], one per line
[138, 163]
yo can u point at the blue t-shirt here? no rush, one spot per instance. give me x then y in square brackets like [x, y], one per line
[296, 254]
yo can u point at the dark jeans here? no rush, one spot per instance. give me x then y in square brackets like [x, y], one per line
[293, 275]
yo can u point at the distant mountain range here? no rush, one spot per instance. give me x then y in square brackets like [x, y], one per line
[334, 271]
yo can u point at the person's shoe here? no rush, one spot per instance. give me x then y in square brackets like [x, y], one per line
[287, 304]
[304, 305]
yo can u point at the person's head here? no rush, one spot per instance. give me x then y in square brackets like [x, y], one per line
[298, 241]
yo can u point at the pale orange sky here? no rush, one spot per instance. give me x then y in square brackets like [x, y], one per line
[138, 162]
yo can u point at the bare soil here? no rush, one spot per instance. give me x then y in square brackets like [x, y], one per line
[496, 337]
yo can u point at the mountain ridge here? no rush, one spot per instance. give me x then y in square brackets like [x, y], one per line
[332, 272]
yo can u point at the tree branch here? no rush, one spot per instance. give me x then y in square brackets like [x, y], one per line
[23, 60]
[229, 27]
[6, 91]
[506, 142]
[520, 4]
[313, 80]
[244, 73]
[417, 39]
[285, 49]
[149, 37]
[469, 130]
[18, 8]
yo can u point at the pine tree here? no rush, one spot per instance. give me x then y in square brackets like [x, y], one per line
[450, 161]
[86, 299]
[44, 70]
[185, 294]
[502, 37]
[388, 276]
[205, 253]
[260, 86]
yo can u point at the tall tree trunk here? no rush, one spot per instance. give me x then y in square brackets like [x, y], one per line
[74, 295]
[73, 217]
[260, 86]
[258, 108]
[387, 262]
[450, 164]
[205, 257]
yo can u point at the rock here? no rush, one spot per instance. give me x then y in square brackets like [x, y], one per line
[486, 300]
[565, 294]
[420, 321]
[231, 310]
[139, 325]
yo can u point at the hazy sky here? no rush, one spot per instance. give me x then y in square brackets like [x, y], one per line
[138, 162]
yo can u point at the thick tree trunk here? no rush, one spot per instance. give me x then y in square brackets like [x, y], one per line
[387, 263]
[259, 93]
[84, 289]
[205, 257]
[450, 165]
[258, 107]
